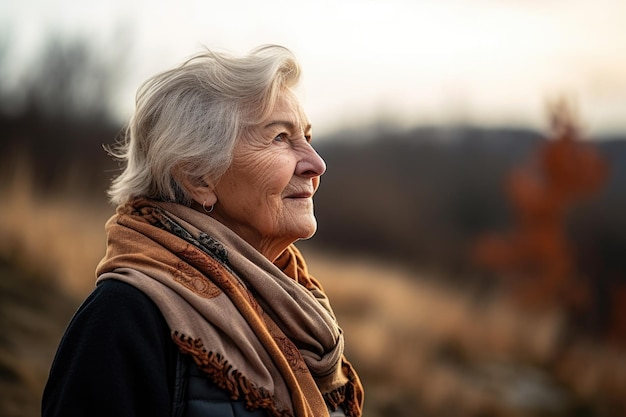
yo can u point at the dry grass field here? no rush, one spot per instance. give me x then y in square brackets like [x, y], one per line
[421, 349]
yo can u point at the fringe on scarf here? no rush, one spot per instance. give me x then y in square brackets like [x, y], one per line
[225, 377]
[346, 396]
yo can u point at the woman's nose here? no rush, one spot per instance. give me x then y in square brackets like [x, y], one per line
[311, 163]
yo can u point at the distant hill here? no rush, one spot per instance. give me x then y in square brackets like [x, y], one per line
[423, 196]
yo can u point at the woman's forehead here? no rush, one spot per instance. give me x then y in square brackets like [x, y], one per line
[288, 111]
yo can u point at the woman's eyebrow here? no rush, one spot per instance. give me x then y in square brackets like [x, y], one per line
[287, 124]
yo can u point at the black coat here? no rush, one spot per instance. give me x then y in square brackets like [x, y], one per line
[117, 358]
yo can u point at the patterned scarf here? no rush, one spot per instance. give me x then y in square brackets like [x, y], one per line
[263, 331]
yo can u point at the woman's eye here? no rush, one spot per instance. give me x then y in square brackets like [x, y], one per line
[281, 138]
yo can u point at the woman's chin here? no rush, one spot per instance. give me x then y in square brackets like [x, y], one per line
[310, 229]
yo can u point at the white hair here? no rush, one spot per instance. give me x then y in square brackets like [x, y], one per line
[188, 119]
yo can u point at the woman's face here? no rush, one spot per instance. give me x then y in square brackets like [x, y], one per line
[266, 195]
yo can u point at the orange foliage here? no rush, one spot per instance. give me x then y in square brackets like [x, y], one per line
[536, 253]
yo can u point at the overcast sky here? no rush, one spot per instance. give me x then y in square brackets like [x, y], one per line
[488, 62]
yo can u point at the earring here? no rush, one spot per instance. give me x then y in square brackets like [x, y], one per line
[205, 209]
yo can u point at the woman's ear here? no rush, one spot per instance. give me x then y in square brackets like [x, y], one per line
[199, 189]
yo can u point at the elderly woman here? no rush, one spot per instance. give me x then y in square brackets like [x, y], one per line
[203, 306]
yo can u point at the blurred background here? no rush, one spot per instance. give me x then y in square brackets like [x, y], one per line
[471, 221]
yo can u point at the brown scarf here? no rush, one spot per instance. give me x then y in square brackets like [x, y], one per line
[263, 331]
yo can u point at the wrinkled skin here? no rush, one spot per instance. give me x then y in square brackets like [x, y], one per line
[266, 195]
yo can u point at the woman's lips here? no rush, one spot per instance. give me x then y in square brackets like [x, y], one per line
[300, 194]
